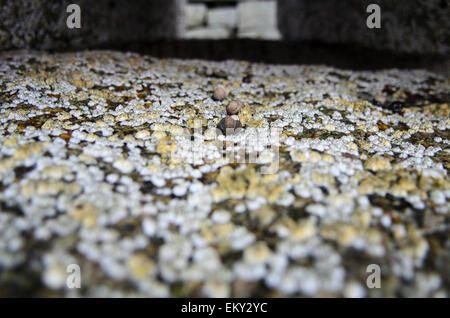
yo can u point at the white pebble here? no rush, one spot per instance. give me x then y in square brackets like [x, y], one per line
[149, 227]
[180, 190]
[158, 182]
[123, 165]
[221, 216]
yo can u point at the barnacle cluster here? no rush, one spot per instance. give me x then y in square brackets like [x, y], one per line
[95, 170]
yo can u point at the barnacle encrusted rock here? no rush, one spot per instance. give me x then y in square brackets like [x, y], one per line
[113, 162]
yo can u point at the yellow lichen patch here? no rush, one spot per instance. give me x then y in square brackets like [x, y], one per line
[245, 115]
[157, 135]
[168, 128]
[323, 178]
[222, 230]
[343, 233]
[365, 145]
[356, 106]
[108, 118]
[274, 192]
[113, 138]
[216, 232]
[219, 194]
[88, 159]
[49, 188]
[50, 124]
[264, 215]
[236, 189]
[327, 158]
[427, 183]
[63, 116]
[72, 189]
[122, 117]
[10, 142]
[352, 146]
[362, 218]
[403, 186]
[55, 172]
[283, 225]
[258, 253]
[100, 124]
[237, 84]
[386, 142]
[438, 109]
[315, 157]
[371, 183]
[229, 184]
[6, 164]
[417, 245]
[306, 156]
[28, 189]
[86, 214]
[153, 168]
[83, 83]
[303, 230]
[27, 150]
[91, 137]
[329, 127]
[176, 130]
[146, 116]
[140, 265]
[196, 121]
[255, 123]
[377, 163]
[166, 146]
[246, 182]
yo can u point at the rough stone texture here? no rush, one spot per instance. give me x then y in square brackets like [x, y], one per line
[42, 24]
[195, 15]
[420, 26]
[258, 19]
[98, 168]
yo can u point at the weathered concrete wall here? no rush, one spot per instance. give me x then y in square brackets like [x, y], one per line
[419, 26]
[42, 24]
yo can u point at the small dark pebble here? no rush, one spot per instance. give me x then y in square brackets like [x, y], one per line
[229, 123]
[389, 89]
[395, 107]
[247, 78]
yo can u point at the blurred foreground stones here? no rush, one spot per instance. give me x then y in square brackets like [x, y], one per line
[111, 161]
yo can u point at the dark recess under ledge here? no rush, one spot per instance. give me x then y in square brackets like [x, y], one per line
[285, 52]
